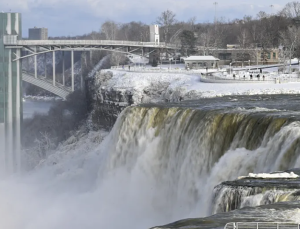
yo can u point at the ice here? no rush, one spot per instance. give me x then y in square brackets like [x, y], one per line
[283, 175]
[163, 85]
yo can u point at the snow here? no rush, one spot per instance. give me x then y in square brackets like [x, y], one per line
[163, 85]
[282, 175]
[43, 98]
[203, 58]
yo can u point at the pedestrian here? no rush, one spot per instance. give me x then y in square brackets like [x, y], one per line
[244, 77]
[263, 77]
[251, 76]
[129, 67]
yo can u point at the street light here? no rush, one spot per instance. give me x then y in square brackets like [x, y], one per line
[215, 3]
[249, 65]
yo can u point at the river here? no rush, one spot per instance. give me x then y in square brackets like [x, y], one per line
[35, 106]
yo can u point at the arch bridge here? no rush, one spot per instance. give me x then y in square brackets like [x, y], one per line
[38, 47]
[11, 76]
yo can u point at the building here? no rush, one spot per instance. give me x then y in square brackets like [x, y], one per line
[10, 94]
[154, 34]
[201, 62]
[38, 33]
[233, 46]
[239, 56]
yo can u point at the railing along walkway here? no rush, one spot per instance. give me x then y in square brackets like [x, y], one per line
[46, 84]
[262, 225]
[12, 40]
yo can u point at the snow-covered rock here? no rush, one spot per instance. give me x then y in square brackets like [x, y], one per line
[282, 175]
[164, 86]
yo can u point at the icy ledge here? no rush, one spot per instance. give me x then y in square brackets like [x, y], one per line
[270, 175]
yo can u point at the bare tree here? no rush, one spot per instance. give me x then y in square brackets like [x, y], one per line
[117, 59]
[110, 29]
[134, 31]
[291, 42]
[166, 20]
[44, 144]
[291, 10]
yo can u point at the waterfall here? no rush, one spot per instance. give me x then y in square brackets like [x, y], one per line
[229, 198]
[157, 165]
[181, 154]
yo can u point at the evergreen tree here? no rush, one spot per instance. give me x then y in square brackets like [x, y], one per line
[188, 42]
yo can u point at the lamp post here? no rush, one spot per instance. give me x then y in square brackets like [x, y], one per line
[249, 65]
[215, 3]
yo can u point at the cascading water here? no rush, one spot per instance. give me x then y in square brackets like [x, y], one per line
[157, 165]
[181, 154]
[229, 198]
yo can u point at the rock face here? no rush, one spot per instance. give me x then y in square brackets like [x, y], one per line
[106, 94]
[251, 199]
[278, 212]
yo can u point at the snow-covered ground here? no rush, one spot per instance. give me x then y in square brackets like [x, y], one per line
[282, 175]
[161, 85]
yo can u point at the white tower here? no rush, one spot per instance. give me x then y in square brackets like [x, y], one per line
[154, 34]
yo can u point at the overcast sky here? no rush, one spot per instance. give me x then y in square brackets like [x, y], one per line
[77, 17]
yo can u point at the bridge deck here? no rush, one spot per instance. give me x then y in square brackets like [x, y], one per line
[12, 41]
[46, 84]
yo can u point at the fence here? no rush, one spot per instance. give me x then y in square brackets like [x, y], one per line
[215, 77]
[262, 225]
[155, 70]
[12, 40]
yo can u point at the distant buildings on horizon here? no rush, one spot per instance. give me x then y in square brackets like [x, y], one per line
[38, 33]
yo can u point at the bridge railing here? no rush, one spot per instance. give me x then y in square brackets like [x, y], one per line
[12, 40]
[154, 70]
[262, 225]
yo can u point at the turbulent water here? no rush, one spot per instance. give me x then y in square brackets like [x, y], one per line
[184, 153]
[159, 164]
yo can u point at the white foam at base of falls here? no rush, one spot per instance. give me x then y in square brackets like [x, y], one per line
[150, 170]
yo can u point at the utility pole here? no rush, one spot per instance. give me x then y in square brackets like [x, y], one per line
[215, 3]
[272, 7]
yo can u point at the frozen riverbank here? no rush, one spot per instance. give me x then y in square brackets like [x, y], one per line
[163, 86]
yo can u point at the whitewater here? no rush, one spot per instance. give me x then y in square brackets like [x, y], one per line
[157, 165]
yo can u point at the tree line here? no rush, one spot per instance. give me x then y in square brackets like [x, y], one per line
[264, 30]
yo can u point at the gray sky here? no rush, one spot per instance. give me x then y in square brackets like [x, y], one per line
[76, 17]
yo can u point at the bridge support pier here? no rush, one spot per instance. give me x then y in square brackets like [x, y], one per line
[35, 64]
[53, 66]
[72, 68]
[10, 96]
[63, 67]
[45, 65]
[83, 66]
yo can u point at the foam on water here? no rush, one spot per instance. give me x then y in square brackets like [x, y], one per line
[157, 165]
